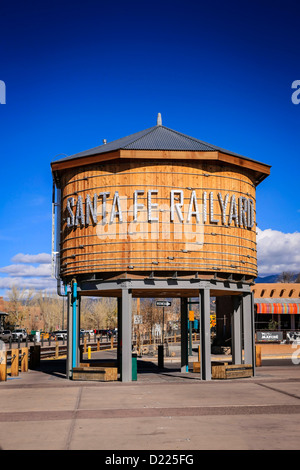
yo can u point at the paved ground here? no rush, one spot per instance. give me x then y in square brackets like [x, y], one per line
[40, 409]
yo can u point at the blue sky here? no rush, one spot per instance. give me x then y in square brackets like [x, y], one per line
[77, 72]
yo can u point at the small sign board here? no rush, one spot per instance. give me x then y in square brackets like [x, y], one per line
[191, 315]
[163, 303]
[262, 336]
[138, 319]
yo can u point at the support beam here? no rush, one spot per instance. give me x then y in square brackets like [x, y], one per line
[248, 329]
[184, 336]
[236, 330]
[69, 337]
[126, 373]
[75, 326]
[119, 347]
[204, 302]
[154, 285]
[73, 347]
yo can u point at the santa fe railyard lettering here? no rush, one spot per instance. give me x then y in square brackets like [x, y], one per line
[183, 208]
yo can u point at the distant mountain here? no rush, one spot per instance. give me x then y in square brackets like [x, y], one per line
[267, 279]
[273, 278]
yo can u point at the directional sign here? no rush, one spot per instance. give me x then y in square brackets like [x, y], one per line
[163, 303]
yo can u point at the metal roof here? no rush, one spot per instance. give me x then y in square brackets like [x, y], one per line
[157, 137]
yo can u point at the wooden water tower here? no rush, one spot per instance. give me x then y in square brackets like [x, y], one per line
[158, 214]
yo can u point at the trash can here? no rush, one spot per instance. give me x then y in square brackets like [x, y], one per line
[134, 367]
[160, 356]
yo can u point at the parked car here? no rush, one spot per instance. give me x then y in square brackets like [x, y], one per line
[19, 333]
[84, 332]
[102, 332]
[90, 332]
[5, 336]
[44, 335]
[60, 335]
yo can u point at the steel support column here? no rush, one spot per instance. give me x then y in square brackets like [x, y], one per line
[184, 335]
[126, 361]
[69, 337]
[248, 329]
[236, 330]
[75, 326]
[119, 347]
[205, 343]
[73, 347]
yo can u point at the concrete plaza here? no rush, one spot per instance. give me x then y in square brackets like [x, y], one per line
[169, 410]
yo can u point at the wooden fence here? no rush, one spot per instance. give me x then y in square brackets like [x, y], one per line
[12, 362]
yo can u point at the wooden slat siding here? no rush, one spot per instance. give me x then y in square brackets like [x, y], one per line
[231, 371]
[99, 374]
[229, 246]
[3, 366]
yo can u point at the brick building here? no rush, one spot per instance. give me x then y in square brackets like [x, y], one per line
[30, 318]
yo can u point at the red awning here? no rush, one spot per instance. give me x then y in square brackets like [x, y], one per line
[282, 308]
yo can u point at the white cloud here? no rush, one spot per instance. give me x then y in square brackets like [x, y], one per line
[277, 251]
[48, 284]
[21, 270]
[41, 258]
[29, 272]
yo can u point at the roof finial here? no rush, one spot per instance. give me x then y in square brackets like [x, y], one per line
[159, 123]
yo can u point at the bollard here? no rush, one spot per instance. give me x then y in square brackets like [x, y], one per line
[24, 360]
[160, 356]
[112, 342]
[98, 344]
[89, 352]
[56, 350]
[3, 366]
[35, 356]
[134, 367]
[258, 356]
[14, 369]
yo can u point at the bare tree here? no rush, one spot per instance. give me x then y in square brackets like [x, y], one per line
[19, 301]
[51, 310]
[151, 314]
[98, 313]
[287, 276]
